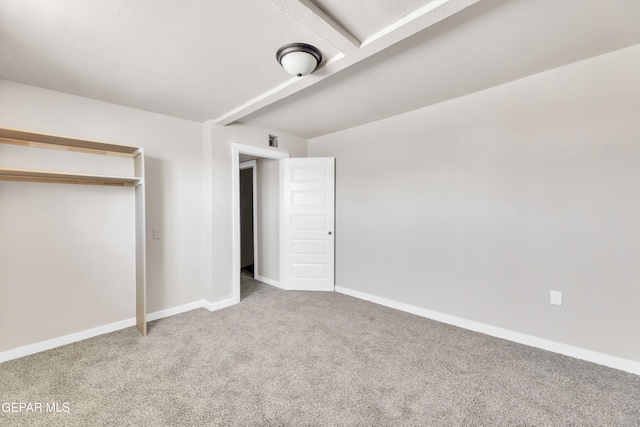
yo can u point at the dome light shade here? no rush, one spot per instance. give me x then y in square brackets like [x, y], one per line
[298, 63]
[299, 59]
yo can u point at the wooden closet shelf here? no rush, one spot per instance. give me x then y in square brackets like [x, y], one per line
[42, 140]
[10, 174]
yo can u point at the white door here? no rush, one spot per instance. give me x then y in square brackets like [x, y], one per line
[308, 233]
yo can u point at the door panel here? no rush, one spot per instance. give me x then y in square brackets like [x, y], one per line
[308, 222]
[308, 234]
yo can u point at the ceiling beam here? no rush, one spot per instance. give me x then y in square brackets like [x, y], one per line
[309, 15]
[316, 19]
[344, 32]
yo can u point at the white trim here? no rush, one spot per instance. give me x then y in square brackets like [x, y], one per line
[253, 165]
[219, 305]
[281, 219]
[249, 164]
[252, 150]
[161, 314]
[106, 329]
[64, 340]
[544, 344]
[211, 306]
[267, 281]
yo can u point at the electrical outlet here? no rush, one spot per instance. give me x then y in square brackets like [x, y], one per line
[157, 233]
[556, 298]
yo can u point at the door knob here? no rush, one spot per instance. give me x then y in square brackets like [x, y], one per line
[329, 233]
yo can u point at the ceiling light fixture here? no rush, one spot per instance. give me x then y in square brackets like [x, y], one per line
[299, 59]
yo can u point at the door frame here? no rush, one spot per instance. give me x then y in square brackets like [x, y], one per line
[253, 165]
[236, 150]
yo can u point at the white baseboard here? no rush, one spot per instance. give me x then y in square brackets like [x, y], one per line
[105, 329]
[67, 339]
[544, 344]
[219, 305]
[268, 281]
[175, 310]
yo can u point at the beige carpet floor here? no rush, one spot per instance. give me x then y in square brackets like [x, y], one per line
[312, 359]
[251, 288]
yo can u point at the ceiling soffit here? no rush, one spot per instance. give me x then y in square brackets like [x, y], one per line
[489, 44]
[331, 21]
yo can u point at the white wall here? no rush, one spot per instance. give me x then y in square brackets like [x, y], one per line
[218, 244]
[66, 252]
[477, 207]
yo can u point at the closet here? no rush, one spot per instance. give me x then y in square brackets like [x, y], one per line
[136, 180]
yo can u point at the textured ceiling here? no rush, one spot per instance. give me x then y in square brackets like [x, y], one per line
[194, 59]
[203, 59]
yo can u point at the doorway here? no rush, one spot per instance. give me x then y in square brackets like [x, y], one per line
[238, 150]
[307, 261]
[252, 285]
